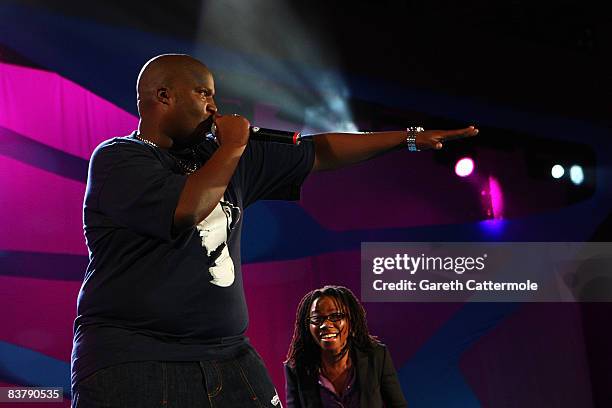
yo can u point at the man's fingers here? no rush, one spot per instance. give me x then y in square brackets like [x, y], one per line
[459, 133]
[468, 131]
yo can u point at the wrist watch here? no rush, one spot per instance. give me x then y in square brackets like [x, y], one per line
[411, 133]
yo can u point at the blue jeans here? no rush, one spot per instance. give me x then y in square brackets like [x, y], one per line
[242, 381]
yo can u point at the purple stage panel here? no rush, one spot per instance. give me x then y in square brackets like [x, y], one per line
[536, 357]
[41, 211]
[54, 111]
[40, 314]
[401, 191]
[273, 290]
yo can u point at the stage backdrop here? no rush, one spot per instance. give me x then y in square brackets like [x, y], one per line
[68, 85]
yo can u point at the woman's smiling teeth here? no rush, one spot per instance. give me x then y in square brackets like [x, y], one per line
[329, 336]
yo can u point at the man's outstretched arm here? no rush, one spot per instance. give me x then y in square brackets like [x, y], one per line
[335, 150]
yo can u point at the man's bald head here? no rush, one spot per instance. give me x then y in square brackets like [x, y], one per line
[165, 72]
[175, 99]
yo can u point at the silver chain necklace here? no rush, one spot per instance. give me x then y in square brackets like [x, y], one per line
[187, 166]
[145, 141]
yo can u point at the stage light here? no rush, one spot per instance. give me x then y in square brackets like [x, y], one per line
[492, 227]
[576, 174]
[557, 171]
[497, 198]
[464, 167]
[332, 113]
[281, 63]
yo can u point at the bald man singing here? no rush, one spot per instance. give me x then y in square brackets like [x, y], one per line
[161, 313]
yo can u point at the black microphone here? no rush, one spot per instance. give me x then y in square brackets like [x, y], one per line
[275, 136]
[269, 135]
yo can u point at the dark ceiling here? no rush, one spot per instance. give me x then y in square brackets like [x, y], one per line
[541, 57]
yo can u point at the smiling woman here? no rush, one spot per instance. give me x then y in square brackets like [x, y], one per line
[333, 360]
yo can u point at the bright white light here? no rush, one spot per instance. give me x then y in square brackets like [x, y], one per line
[304, 79]
[557, 171]
[464, 167]
[576, 174]
[331, 113]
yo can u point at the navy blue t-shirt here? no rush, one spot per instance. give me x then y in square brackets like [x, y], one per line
[148, 294]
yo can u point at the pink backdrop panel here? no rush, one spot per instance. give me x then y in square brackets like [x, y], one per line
[39, 314]
[57, 112]
[401, 191]
[41, 211]
[505, 368]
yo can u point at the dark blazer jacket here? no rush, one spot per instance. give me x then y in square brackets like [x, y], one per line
[378, 383]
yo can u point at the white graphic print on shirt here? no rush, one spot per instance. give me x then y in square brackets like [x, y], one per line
[214, 231]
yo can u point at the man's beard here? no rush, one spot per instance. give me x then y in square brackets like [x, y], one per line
[196, 137]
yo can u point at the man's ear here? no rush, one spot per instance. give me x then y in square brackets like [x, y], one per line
[163, 96]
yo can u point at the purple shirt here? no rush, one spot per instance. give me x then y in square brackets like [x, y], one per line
[349, 398]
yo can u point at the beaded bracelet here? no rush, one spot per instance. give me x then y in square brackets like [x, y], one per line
[411, 133]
